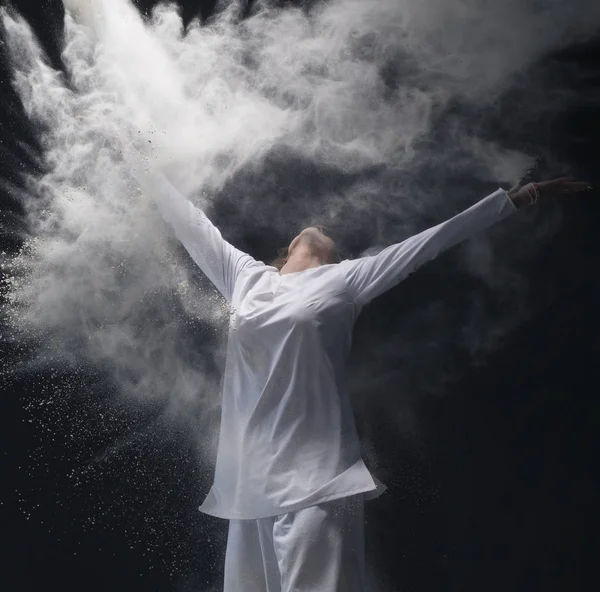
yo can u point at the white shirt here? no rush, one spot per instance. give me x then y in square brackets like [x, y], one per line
[288, 438]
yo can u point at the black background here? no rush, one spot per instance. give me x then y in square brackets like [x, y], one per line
[499, 493]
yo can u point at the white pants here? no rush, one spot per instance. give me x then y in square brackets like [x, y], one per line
[317, 549]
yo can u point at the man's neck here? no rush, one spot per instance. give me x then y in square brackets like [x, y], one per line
[300, 260]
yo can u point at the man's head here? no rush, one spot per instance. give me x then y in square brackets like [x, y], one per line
[312, 242]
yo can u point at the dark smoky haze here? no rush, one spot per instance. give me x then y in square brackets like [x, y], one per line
[374, 118]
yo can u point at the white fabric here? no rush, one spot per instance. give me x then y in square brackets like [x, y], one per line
[317, 549]
[288, 438]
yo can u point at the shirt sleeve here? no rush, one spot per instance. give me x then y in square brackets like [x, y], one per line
[368, 277]
[220, 261]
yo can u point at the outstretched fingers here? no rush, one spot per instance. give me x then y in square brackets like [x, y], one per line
[575, 186]
[564, 185]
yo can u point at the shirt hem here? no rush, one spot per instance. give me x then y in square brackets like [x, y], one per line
[295, 507]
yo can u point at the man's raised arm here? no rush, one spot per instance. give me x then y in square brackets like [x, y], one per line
[220, 261]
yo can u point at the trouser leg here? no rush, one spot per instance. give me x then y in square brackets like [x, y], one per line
[321, 548]
[250, 561]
